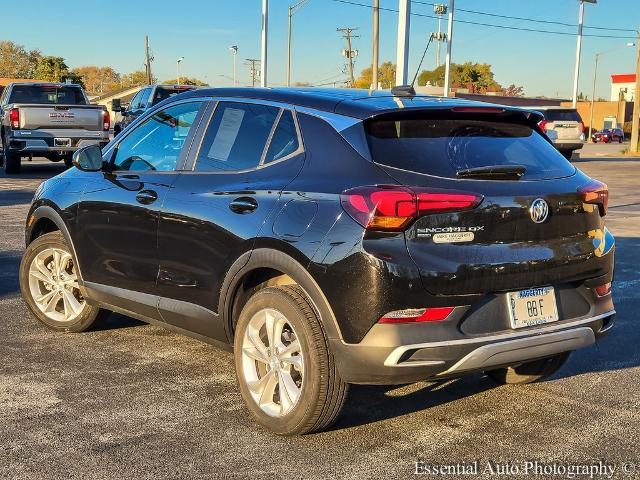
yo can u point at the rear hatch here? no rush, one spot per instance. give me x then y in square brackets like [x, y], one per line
[167, 91]
[567, 123]
[509, 241]
[44, 106]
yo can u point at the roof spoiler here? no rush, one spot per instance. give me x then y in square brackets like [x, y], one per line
[403, 91]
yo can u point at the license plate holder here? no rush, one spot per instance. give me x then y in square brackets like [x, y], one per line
[531, 307]
[61, 142]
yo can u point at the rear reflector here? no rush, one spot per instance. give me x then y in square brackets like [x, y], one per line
[602, 290]
[391, 208]
[597, 193]
[14, 118]
[415, 315]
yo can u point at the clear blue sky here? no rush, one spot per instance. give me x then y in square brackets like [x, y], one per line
[113, 32]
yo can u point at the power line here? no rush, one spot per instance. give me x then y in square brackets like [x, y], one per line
[508, 27]
[528, 19]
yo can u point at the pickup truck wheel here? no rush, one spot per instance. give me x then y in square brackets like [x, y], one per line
[11, 161]
[50, 287]
[529, 372]
[286, 373]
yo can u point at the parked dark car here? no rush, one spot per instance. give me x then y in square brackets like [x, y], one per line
[145, 99]
[330, 237]
[608, 135]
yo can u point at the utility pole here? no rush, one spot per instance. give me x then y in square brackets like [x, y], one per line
[263, 56]
[593, 94]
[254, 72]
[148, 59]
[292, 9]
[349, 53]
[376, 44]
[447, 68]
[635, 124]
[439, 9]
[402, 49]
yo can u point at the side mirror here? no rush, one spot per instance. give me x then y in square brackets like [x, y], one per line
[88, 159]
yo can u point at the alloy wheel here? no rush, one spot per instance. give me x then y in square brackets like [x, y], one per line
[272, 362]
[54, 287]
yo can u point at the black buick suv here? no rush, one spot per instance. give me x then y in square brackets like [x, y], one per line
[330, 237]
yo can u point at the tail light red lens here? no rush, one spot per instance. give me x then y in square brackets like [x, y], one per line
[543, 125]
[597, 193]
[14, 118]
[391, 208]
[416, 315]
[581, 127]
[106, 119]
[602, 290]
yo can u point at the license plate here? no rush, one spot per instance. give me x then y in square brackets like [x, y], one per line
[535, 306]
[62, 142]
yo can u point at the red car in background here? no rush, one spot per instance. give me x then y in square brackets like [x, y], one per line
[608, 135]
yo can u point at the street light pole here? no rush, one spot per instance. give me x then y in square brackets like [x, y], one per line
[263, 56]
[376, 43]
[576, 74]
[402, 52]
[178, 69]
[234, 51]
[292, 9]
[447, 62]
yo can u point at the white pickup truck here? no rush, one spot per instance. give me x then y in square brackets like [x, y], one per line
[49, 120]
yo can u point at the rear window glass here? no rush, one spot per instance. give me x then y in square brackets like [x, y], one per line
[444, 146]
[562, 115]
[162, 93]
[47, 95]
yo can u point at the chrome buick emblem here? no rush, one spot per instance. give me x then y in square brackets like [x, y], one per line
[539, 210]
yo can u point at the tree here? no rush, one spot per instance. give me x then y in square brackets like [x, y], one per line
[51, 69]
[136, 78]
[186, 81]
[98, 80]
[386, 76]
[16, 61]
[513, 91]
[477, 77]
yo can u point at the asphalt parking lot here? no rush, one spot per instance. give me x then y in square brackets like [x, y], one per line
[131, 400]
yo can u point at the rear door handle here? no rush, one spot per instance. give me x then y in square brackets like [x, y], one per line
[146, 197]
[243, 205]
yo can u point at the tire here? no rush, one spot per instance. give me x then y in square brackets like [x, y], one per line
[567, 154]
[320, 393]
[12, 162]
[63, 313]
[529, 372]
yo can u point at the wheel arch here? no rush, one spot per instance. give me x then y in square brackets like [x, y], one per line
[268, 266]
[45, 219]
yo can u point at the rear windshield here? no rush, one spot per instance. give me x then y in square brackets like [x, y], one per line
[562, 115]
[162, 93]
[47, 94]
[444, 146]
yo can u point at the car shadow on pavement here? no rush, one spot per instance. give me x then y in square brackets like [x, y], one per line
[369, 404]
[116, 321]
[16, 197]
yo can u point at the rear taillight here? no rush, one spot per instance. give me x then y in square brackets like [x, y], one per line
[596, 193]
[603, 290]
[416, 315]
[14, 118]
[581, 127]
[392, 209]
[543, 125]
[106, 120]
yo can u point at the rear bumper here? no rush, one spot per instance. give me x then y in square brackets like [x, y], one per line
[568, 145]
[36, 141]
[386, 356]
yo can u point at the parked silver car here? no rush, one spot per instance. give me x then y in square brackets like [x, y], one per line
[564, 126]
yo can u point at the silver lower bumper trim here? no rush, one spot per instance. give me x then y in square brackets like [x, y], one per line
[393, 360]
